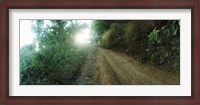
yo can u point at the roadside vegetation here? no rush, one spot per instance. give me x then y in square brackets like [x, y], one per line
[52, 58]
[156, 42]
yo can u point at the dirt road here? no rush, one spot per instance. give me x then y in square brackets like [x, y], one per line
[107, 67]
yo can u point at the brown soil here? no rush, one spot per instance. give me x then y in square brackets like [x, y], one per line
[107, 67]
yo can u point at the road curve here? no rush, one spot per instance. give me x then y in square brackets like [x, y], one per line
[107, 67]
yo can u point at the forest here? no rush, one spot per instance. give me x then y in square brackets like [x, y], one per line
[155, 41]
[55, 57]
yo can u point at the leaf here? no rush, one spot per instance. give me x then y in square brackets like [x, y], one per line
[175, 32]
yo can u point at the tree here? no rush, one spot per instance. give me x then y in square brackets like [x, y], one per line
[99, 27]
[56, 61]
[153, 41]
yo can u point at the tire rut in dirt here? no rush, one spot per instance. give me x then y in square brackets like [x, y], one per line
[115, 68]
[107, 67]
[127, 70]
[103, 74]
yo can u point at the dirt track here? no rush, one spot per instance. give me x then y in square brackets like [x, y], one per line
[106, 67]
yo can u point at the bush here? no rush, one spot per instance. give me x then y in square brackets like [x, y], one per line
[165, 45]
[113, 38]
[56, 61]
[136, 38]
[106, 39]
[154, 41]
[55, 66]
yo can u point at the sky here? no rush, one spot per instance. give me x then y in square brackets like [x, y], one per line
[27, 35]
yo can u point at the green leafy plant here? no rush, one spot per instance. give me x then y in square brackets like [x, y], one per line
[57, 61]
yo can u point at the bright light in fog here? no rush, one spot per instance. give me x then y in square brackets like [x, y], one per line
[83, 37]
[26, 34]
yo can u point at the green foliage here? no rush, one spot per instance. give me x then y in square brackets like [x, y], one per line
[112, 38]
[26, 58]
[100, 27]
[57, 61]
[161, 35]
[106, 39]
[136, 38]
[165, 45]
[154, 41]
